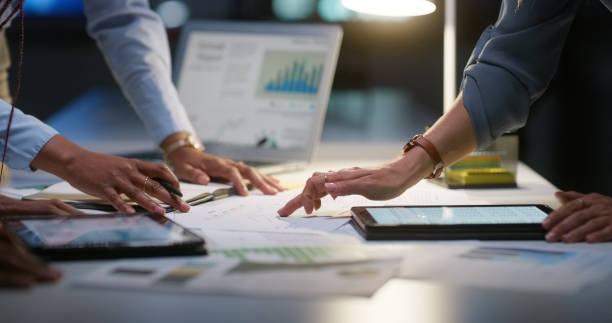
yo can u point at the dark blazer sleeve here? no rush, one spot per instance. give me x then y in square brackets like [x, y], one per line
[513, 63]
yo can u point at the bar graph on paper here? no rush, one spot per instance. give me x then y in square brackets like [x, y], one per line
[291, 74]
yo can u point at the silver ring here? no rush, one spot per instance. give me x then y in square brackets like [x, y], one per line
[144, 186]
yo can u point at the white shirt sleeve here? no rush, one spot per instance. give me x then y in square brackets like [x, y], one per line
[134, 43]
[26, 138]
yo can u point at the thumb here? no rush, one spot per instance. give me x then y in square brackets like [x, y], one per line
[565, 197]
[344, 188]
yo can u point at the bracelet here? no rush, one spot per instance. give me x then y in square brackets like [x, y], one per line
[430, 149]
[189, 141]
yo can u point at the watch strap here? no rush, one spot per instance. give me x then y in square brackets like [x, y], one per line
[430, 149]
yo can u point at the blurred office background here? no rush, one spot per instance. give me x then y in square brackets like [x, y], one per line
[388, 85]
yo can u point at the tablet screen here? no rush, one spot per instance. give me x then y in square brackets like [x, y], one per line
[450, 215]
[77, 231]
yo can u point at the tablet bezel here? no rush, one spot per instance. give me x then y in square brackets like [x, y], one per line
[195, 245]
[371, 230]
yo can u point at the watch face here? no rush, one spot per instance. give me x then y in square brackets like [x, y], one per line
[410, 144]
[195, 143]
[407, 146]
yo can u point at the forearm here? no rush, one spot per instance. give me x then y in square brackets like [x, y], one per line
[133, 40]
[512, 64]
[108, 176]
[453, 134]
[57, 156]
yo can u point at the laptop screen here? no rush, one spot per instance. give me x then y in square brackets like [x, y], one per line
[257, 96]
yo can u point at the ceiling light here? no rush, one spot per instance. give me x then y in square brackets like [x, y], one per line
[391, 8]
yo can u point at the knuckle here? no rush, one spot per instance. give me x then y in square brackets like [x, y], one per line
[592, 197]
[132, 191]
[309, 182]
[234, 171]
[109, 192]
[305, 196]
[116, 172]
[126, 167]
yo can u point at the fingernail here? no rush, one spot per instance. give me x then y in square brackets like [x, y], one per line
[185, 207]
[50, 273]
[55, 272]
[160, 210]
[330, 187]
[130, 209]
[201, 179]
[551, 236]
[545, 223]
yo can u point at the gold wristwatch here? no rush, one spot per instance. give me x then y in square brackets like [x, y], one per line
[188, 141]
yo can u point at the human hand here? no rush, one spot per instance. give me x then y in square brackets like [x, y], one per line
[9, 206]
[108, 176]
[376, 183]
[581, 217]
[18, 268]
[197, 167]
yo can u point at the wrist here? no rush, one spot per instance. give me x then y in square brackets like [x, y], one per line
[422, 144]
[179, 141]
[414, 165]
[57, 156]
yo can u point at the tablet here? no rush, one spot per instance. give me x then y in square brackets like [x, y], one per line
[96, 236]
[485, 222]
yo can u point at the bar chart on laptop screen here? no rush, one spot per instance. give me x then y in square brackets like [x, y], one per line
[291, 75]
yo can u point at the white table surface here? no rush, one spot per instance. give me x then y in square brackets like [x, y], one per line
[397, 301]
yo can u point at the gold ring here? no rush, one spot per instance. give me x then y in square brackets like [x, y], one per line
[144, 186]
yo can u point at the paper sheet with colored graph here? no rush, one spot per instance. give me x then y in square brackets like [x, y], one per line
[515, 266]
[281, 271]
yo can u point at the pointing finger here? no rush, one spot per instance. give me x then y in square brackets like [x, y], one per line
[291, 206]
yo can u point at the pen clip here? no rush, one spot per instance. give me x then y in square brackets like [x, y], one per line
[217, 194]
[205, 197]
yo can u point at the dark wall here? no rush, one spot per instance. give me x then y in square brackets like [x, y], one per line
[60, 62]
[568, 138]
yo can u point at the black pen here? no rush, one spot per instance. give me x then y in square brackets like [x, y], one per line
[168, 187]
